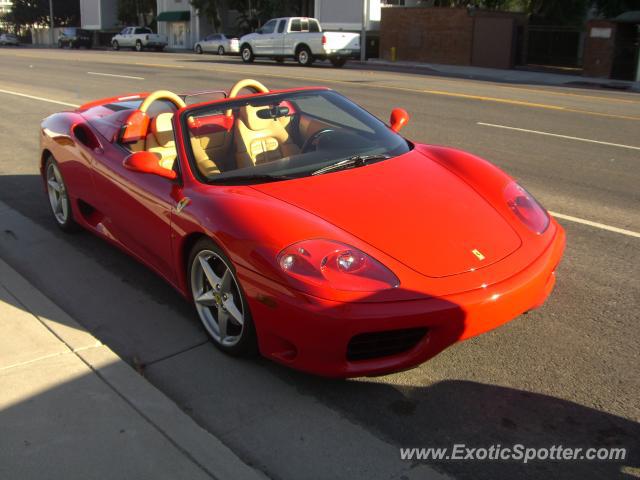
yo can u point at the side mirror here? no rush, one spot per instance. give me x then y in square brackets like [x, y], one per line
[399, 118]
[147, 162]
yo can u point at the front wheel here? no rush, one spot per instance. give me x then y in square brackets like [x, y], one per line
[221, 305]
[138, 46]
[59, 197]
[198, 49]
[247, 54]
[115, 45]
[304, 57]
[338, 62]
[220, 50]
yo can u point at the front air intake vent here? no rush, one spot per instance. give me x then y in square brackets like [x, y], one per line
[366, 346]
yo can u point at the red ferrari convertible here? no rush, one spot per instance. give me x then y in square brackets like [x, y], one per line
[301, 226]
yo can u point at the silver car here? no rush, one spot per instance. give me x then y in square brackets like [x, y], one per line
[218, 43]
[9, 39]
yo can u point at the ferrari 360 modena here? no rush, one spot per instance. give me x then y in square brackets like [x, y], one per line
[301, 226]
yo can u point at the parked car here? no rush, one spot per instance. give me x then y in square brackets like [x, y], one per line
[74, 38]
[9, 39]
[138, 38]
[219, 43]
[300, 38]
[301, 226]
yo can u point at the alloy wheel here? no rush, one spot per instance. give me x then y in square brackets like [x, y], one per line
[217, 298]
[57, 194]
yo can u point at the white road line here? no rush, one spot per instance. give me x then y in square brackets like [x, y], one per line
[42, 99]
[114, 75]
[596, 224]
[630, 147]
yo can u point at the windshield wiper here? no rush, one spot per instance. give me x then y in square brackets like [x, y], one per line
[256, 178]
[351, 162]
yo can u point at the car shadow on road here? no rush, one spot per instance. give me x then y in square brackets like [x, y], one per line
[479, 415]
[438, 415]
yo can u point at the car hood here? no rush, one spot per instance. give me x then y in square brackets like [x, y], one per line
[411, 208]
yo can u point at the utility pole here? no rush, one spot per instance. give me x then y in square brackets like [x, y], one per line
[51, 21]
[363, 31]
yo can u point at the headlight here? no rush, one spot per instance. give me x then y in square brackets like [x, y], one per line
[526, 208]
[336, 265]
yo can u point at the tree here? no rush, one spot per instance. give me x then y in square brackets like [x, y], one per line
[613, 8]
[134, 12]
[210, 9]
[30, 13]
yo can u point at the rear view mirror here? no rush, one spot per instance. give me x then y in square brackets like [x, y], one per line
[273, 112]
[399, 118]
[147, 162]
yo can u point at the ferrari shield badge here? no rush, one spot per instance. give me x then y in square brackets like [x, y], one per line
[478, 254]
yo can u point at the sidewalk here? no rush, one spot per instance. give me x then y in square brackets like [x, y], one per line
[70, 408]
[506, 76]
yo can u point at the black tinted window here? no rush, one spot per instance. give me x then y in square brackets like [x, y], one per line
[295, 25]
[269, 27]
[281, 26]
[313, 26]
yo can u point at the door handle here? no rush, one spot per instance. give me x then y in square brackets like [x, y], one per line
[184, 201]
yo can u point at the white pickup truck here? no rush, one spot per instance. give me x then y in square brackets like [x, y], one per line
[300, 38]
[138, 38]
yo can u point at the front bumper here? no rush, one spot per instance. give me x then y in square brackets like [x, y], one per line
[313, 335]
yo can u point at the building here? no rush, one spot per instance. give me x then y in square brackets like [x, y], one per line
[181, 23]
[348, 16]
[98, 14]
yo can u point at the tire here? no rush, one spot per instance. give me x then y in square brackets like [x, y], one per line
[115, 45]
[247, 54]
[199, 49]
[59, 201]
[220, 50]
[304, 57]
[138, 46]
[220, 297]
[338, 62]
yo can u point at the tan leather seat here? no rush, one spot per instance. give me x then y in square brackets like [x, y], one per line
[161, 140]
[260, 140]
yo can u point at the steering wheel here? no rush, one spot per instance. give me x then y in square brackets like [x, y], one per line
[254, 85]
[313, 138]
[161, 95]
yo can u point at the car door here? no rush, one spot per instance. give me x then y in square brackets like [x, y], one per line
[214, 42]
[278, 37]
[135, 209]
[123, 40]
[263, 42]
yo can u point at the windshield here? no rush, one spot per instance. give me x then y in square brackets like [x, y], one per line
[284, 136]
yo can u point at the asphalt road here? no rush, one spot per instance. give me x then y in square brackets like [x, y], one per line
[565, 374]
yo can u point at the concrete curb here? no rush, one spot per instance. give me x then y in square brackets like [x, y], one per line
[192, 441]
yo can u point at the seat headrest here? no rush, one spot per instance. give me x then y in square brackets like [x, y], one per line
[249, 116]
[162, 129]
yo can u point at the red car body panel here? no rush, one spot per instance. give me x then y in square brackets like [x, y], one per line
[420, 215]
